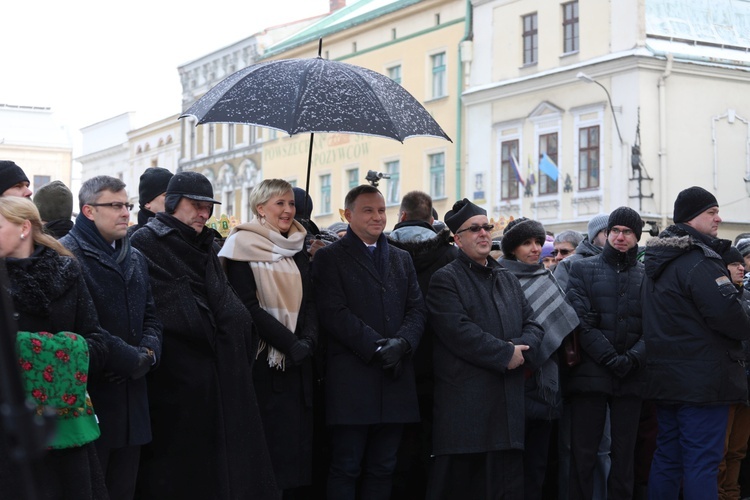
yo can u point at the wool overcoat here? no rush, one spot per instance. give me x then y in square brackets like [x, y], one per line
[357, 305]
[208, 437]
[478, 313]
[126, 309]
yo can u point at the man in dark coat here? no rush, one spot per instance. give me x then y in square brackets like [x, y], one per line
[117, 277]
[429, 250]
[208, 437]
[371, 309]
[605, 291]
[591, 245]
[152, 191]
[693, 322]
[482, 323]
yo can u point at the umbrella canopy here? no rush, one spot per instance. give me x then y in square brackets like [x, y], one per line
[316, 95]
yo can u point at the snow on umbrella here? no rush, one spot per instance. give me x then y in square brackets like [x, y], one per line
[316, 95]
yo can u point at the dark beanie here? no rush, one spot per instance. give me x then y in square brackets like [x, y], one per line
[744, 246]
[54, 201]
[519, 230]
[299, 203]
[10, 175]
[731, 256]
[154, 181]
[692, 202]
[462, 211]
[626, 216]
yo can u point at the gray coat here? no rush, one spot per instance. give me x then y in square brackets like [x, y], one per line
[478, 312]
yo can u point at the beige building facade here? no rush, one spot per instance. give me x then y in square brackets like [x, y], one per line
[582, 83]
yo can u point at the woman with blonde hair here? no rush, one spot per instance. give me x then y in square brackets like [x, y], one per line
[49, 296]
[268, 266]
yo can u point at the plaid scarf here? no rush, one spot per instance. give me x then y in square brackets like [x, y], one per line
[277, 279]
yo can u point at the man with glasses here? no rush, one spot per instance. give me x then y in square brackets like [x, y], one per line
[605, 291]
[208, 437]
[117, 277]
[482, 323]
[566, 244]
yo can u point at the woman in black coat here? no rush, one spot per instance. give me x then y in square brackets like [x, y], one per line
[49, 295]
[269, 268]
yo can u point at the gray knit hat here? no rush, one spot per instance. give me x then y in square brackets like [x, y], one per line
[744, 246]
[597, 224]
[54, 201]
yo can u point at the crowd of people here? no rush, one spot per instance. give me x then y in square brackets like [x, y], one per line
[288, 361]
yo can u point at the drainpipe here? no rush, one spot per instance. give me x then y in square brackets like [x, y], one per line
[464, 55]
[663, 139]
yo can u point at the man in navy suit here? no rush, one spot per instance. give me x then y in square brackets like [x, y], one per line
[372, 314]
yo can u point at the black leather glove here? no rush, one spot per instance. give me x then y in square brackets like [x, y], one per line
[591, 320]
[391, 351]
[145, 361]
[620, 365]
[300, 350]
[113, 378]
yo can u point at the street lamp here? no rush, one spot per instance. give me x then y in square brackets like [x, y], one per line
[586, 78]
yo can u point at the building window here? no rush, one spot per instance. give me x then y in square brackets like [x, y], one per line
[248, 205]
[352, 176]
[392, 192]
[548, 144]
[354, 46]
[40, 180]
[570, 26]
[530, 39]
[437, 175]
[325, 194]
[394, 73]
[229, 207]
[393, 33]
[437, 19]
[438, 75]
[508, 177]
[588, 157]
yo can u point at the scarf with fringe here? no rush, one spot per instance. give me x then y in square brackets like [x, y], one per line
[277, 279]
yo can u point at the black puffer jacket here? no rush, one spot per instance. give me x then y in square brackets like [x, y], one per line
[694, 321]
[605, 291]
[584, 250]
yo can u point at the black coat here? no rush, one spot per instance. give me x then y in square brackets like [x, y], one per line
[49, 295]
[357, 305]
[605, 291]
[126, 309]
[584, 250]
[478, 313]
[207, 433]
[285, 397]
[694, 321]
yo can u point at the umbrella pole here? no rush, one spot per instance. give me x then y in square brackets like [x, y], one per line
[309, 167]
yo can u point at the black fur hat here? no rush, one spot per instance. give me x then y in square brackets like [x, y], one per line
[519, 230]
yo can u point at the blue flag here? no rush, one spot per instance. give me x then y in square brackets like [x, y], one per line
[547, 167]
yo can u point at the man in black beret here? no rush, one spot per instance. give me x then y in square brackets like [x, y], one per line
[482, 324]
[13, 180]
[694, 323]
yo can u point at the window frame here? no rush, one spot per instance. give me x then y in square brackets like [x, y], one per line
[551, 187]
[530, 38]
[585, 174]
[571, 27]
[509, 185]
[439, 80]
[439, 169]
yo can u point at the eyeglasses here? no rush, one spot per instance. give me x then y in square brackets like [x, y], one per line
[475, 228]
[562, 251]
[117, 205]
[624, 232]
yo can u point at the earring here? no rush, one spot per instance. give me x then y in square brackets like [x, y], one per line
[263, 220]
[23, 236]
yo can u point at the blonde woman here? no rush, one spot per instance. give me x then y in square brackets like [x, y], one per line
[269, 268]
[49, 295]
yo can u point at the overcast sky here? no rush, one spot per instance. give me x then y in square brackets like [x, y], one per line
[90, 60]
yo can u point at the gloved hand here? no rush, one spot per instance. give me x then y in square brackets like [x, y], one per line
[591, 320]
[620, 365]
[300, 350]
[391, 351]
[145, 360]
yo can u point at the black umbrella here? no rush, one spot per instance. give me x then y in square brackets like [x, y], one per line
[316, 95]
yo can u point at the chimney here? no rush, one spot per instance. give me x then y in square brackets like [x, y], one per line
[335, 5]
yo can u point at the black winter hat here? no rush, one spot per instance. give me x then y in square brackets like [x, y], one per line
[191, 185]
[519, 230]
[10, 175]
[299, 203]
[731, 256]
[626, 216]
[462, 211]
[54, 201]
[744, 246]
[692, 202]
[154, 181]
